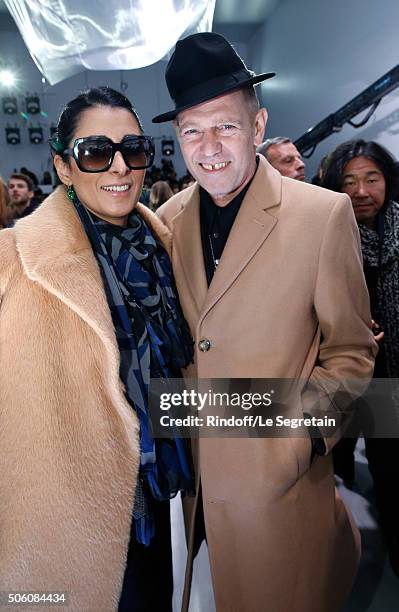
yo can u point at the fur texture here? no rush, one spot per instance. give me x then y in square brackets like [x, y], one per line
[69, 440]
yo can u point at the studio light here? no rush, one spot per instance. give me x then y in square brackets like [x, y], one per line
[36, 135]
[10, 105]
[32, 105]
[13, 135]
[168, 147]
[7, 78]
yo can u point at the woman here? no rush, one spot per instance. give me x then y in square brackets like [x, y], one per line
[368, 174]
[159, 194]
[89, 313]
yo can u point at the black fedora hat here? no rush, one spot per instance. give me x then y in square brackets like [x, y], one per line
[204, 66]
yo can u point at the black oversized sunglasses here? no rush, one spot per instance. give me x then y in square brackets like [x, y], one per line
[96, 153]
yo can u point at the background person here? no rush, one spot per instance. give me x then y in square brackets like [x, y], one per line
[21, 190]
[88, 297]
[318, 178]
[186, 181]
[283, 155]
[47, 178]
[368, 174]
[31, 175]
[159, 194]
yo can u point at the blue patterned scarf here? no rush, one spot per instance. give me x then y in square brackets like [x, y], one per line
[154, 342]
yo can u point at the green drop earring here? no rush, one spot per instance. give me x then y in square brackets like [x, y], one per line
[71, 193]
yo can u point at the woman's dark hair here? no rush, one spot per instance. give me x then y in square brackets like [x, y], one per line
[93, 98]
[334, 172]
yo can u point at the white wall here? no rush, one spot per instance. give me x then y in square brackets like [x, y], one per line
[146, 89]
[324, 53]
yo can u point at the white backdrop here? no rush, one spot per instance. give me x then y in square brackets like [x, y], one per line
[66, 36]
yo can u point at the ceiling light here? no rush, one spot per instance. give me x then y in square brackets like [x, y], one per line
[32, 105]
[168, 147]
[10, 105]
[36, 135]
[7, 78]
[13, 135]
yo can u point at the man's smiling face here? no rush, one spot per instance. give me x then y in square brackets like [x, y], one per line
[218, 139]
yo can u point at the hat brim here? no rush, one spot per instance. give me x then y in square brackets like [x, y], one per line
[210, 95]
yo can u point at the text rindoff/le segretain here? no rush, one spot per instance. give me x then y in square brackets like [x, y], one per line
[247, 421]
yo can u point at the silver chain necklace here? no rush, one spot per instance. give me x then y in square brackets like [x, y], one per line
[215, 261]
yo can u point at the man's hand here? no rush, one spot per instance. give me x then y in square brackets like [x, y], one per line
[378, 335]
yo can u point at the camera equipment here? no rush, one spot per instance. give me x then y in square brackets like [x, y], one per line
[370, 97]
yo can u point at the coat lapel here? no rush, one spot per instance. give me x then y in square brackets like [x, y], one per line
[188, 247]
[56, 253]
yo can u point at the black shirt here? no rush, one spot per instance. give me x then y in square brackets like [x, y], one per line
[216, 223]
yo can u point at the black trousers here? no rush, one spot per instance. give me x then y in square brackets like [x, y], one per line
[376, 414]
[148, 580]
[383, 459]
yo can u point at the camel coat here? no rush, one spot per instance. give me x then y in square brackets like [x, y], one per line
[69, 440]
[279, 537]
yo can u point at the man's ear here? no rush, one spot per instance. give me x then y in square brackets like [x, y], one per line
[260, 126]
[63, 170]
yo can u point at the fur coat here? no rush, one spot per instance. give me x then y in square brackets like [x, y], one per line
[69, 440]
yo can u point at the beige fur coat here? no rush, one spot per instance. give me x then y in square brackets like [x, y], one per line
[69, 440]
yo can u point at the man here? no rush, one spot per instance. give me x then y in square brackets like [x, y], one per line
[20, 188]
[283, 155]
[261, 281]
[368, 174]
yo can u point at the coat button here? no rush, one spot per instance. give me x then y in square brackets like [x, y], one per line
[204, 345]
